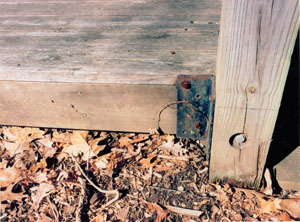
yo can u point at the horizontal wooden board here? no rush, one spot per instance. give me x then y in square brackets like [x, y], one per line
[134, 42]
[113, 107]
[152, 8]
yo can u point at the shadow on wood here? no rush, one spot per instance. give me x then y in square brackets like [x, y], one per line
[284, 151]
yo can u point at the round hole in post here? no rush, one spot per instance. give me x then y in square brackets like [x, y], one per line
[237, 140]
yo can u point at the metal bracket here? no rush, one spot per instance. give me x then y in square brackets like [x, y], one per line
[195, 106]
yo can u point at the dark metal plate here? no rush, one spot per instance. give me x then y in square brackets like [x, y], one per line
[196, 99]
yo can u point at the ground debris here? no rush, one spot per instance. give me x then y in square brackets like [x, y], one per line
[69, 175]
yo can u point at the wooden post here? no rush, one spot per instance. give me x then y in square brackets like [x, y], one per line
[255, 46]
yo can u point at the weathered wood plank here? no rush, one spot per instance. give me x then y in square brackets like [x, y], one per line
[107, 41]
[114, 107]
[78, 8]
[255, 47]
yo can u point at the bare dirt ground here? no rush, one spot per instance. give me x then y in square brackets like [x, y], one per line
[63, 175]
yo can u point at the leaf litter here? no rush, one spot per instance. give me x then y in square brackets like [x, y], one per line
[69, 175]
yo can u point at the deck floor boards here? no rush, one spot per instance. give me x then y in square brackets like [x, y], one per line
[116, 41]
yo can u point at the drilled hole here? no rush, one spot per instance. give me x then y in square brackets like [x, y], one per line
[236, 140]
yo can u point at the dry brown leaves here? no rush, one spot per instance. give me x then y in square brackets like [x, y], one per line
[269, 205]
[154, 207]
[39, 181]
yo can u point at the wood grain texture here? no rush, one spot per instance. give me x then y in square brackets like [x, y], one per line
[255, 47]
[113, 107]
[288, 171]
[107, 41]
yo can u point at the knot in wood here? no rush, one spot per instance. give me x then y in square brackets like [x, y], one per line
[251, 89]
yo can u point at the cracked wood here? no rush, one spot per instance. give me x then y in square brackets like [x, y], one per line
[255, 47]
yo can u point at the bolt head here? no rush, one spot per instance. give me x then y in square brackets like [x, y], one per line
[186, 84]
[198, 125]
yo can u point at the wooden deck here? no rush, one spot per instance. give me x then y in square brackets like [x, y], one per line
[79, 47]
[113, 64]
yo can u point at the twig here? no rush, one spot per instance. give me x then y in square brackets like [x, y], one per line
[150, 174]
[185, 158]
[115, 192]
[136, 152]
[81, 199]
[53, 209]
[184, 211]
[181, 191]
[128, 195]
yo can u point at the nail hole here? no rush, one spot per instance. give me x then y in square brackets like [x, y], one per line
[198, 96]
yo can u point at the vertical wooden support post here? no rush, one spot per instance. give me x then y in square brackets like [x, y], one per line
[255, 47]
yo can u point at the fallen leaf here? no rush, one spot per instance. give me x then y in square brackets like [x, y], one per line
[167, 138]
[174, 149]
[222, 197]
[148, 162]
[122, 213]
[269, 206]
[94, 145]
[292, 206]
[139, 138]
[154, 207]
[9, 175]
[99, 218]
[79, 145]
[83, 133]
[39, 192]
[38, 177]
[45, 142]
[266, 205]
[124, 141]
[40, 165]
[284, 217]
[108, 161]
[18, 135]
[47, 149]
[9, 195]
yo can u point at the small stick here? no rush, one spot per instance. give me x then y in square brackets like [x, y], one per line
[128, 195]
[185, 158]
[150, 174]
[184, 211]
[81, 199]
[53, 209]
[136, 152]
[115, 192]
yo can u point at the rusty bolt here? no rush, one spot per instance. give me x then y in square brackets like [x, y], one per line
[186, 84]
[251, 89]
[198, 125]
